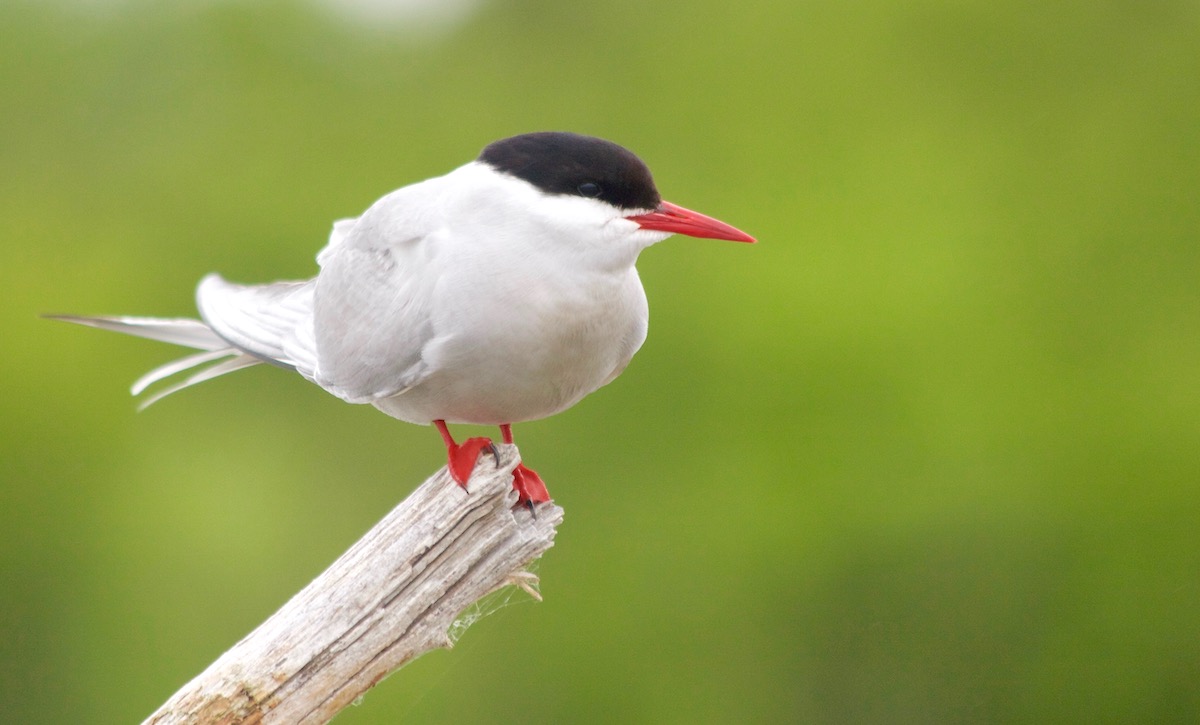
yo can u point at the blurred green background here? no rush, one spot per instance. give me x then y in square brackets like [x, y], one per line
[927, 453]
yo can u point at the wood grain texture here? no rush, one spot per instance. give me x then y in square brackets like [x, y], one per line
[387, 600]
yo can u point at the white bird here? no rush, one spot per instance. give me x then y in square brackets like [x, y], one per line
[504, 291]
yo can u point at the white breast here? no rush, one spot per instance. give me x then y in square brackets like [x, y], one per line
[530, 351]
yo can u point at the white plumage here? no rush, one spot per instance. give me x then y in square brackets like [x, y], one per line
[502, 292]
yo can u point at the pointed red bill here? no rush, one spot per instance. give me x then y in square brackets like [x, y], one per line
[673, 218]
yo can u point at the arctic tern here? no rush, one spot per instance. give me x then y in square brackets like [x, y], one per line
[502, 292]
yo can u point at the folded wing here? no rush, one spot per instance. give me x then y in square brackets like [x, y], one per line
[374, 297]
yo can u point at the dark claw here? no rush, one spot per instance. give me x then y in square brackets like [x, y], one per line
[495, 452]
[532, 508]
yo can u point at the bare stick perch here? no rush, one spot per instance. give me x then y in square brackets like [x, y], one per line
[386, 601]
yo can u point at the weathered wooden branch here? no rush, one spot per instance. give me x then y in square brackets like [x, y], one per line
[390, 598]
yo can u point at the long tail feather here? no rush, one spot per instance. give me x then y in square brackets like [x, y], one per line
[237, 363]
[175, 330]
[179, 331]
[163, 372]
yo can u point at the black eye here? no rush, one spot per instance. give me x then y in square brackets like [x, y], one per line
[589, 189]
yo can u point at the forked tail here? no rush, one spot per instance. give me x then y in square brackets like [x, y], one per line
[177, 331]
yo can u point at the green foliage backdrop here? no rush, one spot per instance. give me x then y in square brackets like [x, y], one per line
[927, 453]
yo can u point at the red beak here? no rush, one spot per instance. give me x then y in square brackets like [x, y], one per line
[672, 218]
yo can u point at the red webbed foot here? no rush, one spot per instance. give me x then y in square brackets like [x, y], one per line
[528, 485]
[526, 482]
[461, 458]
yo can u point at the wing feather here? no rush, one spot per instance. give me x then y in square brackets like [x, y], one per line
[374, 297]
[266, 321]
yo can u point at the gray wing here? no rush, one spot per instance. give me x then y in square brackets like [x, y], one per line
[374, 298]
[272, 322]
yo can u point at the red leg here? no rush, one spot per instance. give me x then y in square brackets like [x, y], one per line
[529, 485]
[462, 458]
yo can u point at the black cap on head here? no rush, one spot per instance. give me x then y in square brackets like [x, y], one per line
[574, 165]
